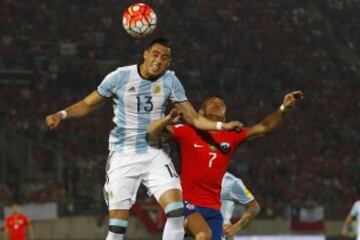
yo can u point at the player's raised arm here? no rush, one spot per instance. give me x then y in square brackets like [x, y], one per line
[77, 110]
[202, 123]
[273, 120]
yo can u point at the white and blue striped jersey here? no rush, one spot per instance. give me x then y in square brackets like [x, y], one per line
[233, 190]
[137, 102]
[355, 212]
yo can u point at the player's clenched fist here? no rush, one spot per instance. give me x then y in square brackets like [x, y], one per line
[53, 120]
[291, 98]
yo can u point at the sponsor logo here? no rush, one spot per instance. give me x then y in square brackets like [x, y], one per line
[189, 206]
[132, 89]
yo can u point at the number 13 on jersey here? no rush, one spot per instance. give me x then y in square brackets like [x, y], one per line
[144, 104]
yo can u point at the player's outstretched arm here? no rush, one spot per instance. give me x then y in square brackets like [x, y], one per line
[273, 120]
[346, 225]
[195, 119]
[77, 110]
[252, 209]
[158, 126]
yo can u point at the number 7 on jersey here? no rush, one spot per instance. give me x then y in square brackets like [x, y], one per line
[212, 158]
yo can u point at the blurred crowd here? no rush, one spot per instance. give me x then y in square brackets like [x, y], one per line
[52, 53]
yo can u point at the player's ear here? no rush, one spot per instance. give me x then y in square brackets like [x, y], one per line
[146, 54]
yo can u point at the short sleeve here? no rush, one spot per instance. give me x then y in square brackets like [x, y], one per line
[240, 136]
[180, 131]
[355, 209]
[239, 192]
[107, 86]
[178, 91]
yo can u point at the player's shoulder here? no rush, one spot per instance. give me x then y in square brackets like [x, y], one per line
[122, 69]
[170, 74]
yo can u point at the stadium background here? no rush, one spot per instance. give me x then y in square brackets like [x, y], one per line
[52, 53]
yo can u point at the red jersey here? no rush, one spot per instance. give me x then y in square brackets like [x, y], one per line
[203, 164]
[16, 225]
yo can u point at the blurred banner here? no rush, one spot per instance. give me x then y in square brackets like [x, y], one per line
[44, 211]
[281, 237]
[307, 218]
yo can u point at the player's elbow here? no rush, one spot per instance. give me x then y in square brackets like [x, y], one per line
[254, 207]
[152, 132]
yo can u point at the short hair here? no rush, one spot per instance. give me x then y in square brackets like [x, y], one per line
[162, 41]
[208, 97]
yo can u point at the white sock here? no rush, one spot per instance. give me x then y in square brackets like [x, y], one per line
[114, 236]
[174, 229]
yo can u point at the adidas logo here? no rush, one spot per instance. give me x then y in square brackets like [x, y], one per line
[132, 89]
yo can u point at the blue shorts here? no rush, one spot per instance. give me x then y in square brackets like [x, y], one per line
[212, 216]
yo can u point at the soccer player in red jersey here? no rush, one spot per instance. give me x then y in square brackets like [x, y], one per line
[205, 156]
[17, 224]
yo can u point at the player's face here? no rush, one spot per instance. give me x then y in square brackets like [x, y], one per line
[15, 208]
[156, 60]
[215, 109]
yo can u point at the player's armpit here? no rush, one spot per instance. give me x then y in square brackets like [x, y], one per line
[255, 131]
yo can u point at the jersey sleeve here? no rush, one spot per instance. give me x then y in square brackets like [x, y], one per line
[240, 137]
[178, 91]
[355, 209]
[239, 192]
[180, 131]
[107, 86]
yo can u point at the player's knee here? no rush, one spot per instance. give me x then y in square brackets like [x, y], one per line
[204, 235]
[118, 226]
[174, 209]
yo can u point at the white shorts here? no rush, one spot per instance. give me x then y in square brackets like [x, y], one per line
[125, 173]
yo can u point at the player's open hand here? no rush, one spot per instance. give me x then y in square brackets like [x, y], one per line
[174, 115]
[231, 229]
[233, 125]
[291, 98]
[53, 120]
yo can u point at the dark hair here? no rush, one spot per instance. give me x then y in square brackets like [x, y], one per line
[206, 98]
[162, 41]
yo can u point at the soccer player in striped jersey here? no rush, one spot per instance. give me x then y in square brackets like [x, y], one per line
[205, 156]
[233, 191]
[140, 94]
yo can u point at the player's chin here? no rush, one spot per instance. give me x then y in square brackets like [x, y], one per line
[155, 73]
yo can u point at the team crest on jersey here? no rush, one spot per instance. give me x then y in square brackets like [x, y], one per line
[225, 147]
[156, 89]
